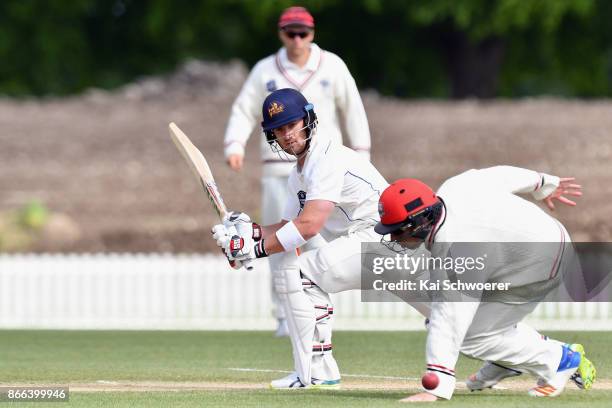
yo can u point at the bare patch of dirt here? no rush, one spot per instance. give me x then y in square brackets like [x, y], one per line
[106, 160]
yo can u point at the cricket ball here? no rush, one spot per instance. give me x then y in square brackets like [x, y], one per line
[430, 381]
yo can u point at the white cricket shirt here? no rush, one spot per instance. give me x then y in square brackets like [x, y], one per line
[338, 174]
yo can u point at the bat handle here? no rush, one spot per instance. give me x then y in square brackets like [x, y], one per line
[248, 265]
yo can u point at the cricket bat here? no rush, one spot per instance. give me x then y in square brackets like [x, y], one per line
[199, 166]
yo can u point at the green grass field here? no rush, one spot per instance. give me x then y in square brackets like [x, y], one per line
[191, 368]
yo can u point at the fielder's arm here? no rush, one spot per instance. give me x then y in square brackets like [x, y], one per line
[542, 186]
[353, 115]
[243, 119]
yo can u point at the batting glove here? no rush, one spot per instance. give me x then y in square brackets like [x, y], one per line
[242, 222]
[221, 234]
[244, 248]
[235, 217]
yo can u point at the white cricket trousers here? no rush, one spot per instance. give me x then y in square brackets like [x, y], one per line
[491, 330]
[497, 334]
[336, 266]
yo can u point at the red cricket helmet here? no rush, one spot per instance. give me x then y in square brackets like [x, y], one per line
[407, 203]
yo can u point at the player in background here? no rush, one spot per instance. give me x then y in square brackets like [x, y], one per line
[323, 78]
[333, 197]
[483, 206]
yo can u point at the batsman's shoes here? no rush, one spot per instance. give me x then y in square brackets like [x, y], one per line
[282, 330]
[570, 361]
[586, 373]
[292, 381]
[489, 375]
[288, 382]
[325, 384]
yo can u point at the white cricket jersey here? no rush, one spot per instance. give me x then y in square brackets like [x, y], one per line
[338, 174]
[325, 81]
[482, 206]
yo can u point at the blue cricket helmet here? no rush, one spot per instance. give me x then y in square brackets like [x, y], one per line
[284, 106]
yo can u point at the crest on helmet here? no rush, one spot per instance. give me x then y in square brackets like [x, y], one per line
[381, 209]
[275, 108]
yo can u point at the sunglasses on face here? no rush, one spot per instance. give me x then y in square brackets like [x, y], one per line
[293, 34]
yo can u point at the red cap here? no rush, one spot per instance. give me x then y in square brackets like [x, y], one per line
[297, 16]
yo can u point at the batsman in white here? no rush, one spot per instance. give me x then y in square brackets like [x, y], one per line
[483, 206]
[325, 81]
[333, 197]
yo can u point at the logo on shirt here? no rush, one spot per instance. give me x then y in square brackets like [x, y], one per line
[324, 83]
[275, 108]
[271, 86]
[301, 198]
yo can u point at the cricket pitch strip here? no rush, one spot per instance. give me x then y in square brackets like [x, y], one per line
[349, 385]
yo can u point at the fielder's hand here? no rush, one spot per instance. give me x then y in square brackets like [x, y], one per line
[566, 187]
[235, 161]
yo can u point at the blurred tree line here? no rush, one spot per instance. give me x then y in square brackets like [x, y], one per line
[407, 48]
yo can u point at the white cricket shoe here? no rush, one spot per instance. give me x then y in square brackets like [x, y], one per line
[292, 381]
[489, 375]
[570, 361]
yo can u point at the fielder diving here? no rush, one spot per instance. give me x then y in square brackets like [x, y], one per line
[483, 206]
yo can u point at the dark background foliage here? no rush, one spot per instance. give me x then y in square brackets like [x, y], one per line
[411, 48]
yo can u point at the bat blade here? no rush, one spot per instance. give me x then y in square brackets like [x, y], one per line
[199, 166]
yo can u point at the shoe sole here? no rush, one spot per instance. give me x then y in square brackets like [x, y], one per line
[544, 391]
[586, 369]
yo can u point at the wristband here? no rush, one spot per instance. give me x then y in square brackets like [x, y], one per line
[257, 233]
[548, 184]
[260, 250]
[289, 237]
